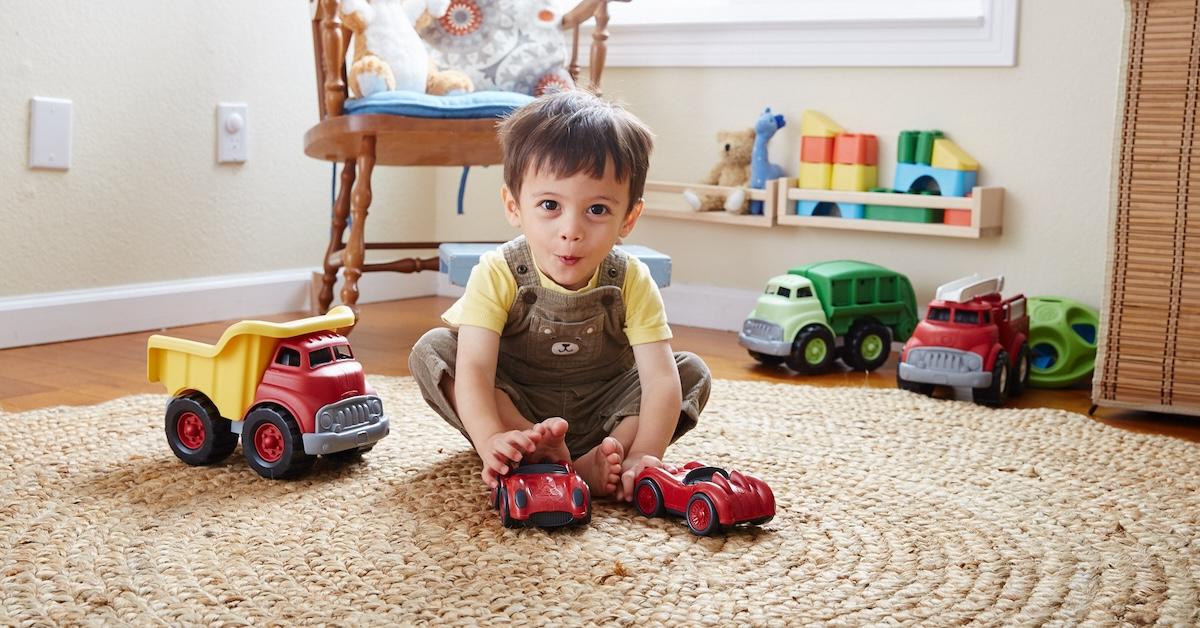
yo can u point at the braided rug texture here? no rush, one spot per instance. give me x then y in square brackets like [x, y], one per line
[892, 508]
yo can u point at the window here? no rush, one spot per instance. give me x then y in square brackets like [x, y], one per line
[804, 292]
[966, 317]
[938, 314]
[806, 33]
[320, 356]
[342, 352]
[288, 357]
[785, 292]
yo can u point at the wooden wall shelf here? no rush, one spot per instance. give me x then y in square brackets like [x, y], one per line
[657, 206]
[986, 205]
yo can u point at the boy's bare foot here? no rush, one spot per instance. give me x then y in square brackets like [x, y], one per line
[551, 439]
[601, 467]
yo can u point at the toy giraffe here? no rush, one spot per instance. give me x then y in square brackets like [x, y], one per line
[760, 169]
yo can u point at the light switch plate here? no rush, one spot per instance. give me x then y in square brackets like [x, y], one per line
[233, 132]
[50, 133]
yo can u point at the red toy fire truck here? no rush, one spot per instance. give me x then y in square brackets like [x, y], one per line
[971, 340]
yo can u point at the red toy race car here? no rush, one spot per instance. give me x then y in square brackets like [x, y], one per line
[708, 497]
[543, 495]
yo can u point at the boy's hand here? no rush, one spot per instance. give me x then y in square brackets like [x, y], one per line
[503, 451]
[630, 469]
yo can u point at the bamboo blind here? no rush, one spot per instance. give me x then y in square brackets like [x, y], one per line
[1150, 347]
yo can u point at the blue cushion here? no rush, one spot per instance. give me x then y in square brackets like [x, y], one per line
[457, 106]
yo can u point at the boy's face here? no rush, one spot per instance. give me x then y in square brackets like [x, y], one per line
[571, 223]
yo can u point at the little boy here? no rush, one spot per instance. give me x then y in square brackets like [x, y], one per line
[557, 322]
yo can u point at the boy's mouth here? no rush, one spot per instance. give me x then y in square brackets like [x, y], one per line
[569, 260]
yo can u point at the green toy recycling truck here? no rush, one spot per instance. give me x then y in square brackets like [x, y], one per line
[814, 313]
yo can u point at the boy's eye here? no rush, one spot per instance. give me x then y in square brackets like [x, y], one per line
[598, 210]
[548, 205]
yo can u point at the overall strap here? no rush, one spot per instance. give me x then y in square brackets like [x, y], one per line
[520, 262]
[612, 269]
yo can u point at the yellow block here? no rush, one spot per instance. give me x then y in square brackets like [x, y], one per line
[817, 124]
[815, 176]
[948, 155]
[853, 177]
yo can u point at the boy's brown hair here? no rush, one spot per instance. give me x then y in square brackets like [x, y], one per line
[573, 131]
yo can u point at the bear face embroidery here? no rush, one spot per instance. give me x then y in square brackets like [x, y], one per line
[564, 348]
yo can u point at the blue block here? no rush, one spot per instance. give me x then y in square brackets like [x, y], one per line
[826, 208]
[457, 260]
[917, 178]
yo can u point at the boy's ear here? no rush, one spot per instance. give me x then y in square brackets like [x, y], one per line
[511, 209]
[631, 218]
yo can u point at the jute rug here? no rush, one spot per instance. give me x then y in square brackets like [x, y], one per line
[892, 508]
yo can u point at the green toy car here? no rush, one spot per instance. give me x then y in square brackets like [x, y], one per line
[815, 313]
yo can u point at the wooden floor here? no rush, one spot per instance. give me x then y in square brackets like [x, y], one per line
[99, 369]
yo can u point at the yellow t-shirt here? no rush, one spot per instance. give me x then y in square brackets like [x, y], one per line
[491, 290]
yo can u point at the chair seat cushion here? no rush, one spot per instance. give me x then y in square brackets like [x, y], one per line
[456, 106]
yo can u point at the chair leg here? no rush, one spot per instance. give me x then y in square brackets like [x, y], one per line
[360, 200]
[337, 231]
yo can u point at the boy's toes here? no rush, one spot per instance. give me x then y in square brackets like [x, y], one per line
[555, 427]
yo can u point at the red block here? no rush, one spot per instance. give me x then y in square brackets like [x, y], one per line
[856, 148]
[816, 150]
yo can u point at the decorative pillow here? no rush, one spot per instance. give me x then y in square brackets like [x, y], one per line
[419, 105]
[507, 45]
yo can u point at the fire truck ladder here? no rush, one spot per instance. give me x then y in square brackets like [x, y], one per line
[967, 288]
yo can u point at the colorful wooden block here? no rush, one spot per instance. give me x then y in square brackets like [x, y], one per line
[903, 214]
[816, 150]
[853, 177]
[817, 124]
[961, 217]
[948, 155]
[826, 208]
[857, 148]
[815, 176]
[906, 147]
[921, 178]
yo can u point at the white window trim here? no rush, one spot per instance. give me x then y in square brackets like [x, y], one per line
[810, 33]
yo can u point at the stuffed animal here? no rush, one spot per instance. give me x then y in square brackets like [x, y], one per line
[733, 170]
[388, 53]
[762, 170]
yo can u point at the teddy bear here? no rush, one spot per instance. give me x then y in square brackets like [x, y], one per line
[388, 52]
[733, 170]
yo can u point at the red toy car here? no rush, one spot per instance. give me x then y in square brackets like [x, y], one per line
[708, 497]
[543, 495]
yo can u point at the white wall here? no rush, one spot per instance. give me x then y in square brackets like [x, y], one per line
[145, 200]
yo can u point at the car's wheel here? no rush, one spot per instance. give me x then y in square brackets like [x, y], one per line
[867, 346]
[702, 517]
[196, 432]
[273, 444]
[648, 498]
[505, 518]
[1018, 381]
[917, 387]
[767, 359]
[812, 350]
[995, 393]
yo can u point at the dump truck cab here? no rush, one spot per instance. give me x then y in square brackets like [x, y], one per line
[787, 305]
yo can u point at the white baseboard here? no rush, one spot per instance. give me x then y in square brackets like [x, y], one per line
[74, 314]
[709, 307]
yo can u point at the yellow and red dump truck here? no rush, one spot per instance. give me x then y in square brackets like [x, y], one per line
[291, 391]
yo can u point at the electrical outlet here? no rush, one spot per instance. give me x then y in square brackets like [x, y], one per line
[233, 132]
[50, 133]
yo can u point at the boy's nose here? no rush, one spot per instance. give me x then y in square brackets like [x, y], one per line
[571, 229]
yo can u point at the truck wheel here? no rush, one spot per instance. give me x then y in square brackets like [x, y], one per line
[768, 360]
[917, 387]
[812, 351]
[196, 432]
[867, 346]
[273, 444]
[997, 392]
[1018, 381]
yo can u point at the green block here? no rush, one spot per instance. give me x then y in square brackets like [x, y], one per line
[906, 144]
[902, 214]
